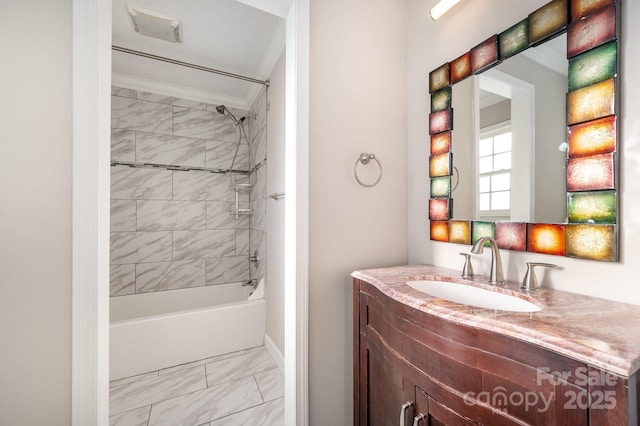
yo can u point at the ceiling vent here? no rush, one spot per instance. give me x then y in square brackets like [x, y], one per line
[154, 24]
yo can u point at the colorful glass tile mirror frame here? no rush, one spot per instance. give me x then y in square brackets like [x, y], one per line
[593, 51]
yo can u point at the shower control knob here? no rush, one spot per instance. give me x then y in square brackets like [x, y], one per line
[255, 258]
[530, 281]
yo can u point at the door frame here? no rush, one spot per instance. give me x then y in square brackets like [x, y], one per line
[91, 118]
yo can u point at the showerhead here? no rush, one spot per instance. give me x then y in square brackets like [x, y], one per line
[224, 110]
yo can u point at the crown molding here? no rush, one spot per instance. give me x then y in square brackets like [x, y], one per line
[162, 88]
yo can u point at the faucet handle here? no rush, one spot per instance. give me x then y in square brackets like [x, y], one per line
[530, 281]
[467, 269]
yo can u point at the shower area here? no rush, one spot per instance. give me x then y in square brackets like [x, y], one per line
[190, 123]
[188, 243]
[196, 332]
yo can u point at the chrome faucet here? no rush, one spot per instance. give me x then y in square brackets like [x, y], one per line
[495, 276]
[530, 281]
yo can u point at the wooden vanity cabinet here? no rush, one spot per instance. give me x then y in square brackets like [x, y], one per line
[451, 374]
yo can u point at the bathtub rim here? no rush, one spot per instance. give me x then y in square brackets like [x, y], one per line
[138, 305]
[191, 311]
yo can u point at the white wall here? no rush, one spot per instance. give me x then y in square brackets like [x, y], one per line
[430, 44]
[275, 209]
[462, 181]
[357, 104]
[35, 213]
[550, 131]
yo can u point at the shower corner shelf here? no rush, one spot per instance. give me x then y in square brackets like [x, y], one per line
[241, 212]
[242, 187]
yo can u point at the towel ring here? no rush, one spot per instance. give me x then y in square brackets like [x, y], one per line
[455, 169]
[365, 158]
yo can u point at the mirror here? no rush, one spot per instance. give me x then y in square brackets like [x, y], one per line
[509, 139]
[532, 159]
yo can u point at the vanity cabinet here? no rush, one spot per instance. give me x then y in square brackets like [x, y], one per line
[446, 373]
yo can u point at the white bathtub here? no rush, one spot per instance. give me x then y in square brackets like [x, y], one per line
[158, 330]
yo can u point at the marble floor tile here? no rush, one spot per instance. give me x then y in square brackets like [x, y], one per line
[179, 395]
[267, 414]
[271, 384]
[121, 91]
[153, 389]
[131, 379]
[240, 366]
[206, 405]
[135, 417]
[200, 362]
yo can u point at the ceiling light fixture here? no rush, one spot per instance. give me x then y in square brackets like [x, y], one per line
[442, 7]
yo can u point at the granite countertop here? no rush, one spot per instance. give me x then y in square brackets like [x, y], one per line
[598, 332]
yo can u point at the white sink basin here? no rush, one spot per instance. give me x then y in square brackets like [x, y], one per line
[473, 296]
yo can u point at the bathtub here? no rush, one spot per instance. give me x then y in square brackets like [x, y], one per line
[157, 330]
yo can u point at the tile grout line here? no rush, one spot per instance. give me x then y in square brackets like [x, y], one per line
[146, 373]
[166, 399]
[247, 409]
[149, 415]
[258, 387]
[193, 392]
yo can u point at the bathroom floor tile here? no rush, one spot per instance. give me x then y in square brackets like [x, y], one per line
[135, 417]
[208, 404]
[255, 349]
[200, 362]
[271, 384]
[268, 414]
[131, 379]
[153, 389]
[188, 394]
[240, 366]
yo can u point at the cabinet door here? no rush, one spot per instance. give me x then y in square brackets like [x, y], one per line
[387, 390]
[432, 413]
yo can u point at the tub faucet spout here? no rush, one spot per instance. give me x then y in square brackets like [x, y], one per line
[496, 275]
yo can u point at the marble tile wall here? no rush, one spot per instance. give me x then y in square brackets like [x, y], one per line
[258, 225]
[172, 229]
